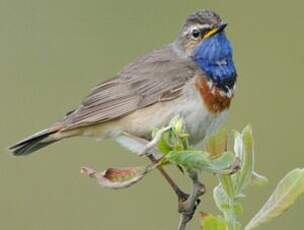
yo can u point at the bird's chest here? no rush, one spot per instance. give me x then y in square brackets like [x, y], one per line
[202, 114]
[203, 111]
[213, 98]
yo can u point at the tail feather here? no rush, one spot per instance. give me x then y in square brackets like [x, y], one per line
[34, 142]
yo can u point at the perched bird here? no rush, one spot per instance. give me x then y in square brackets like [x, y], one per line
[193, 77]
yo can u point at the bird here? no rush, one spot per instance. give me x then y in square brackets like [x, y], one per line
[193, 77]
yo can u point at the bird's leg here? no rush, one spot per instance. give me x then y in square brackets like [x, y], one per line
[182, 196]
[143, 147]
[187, 204]
[188, 207]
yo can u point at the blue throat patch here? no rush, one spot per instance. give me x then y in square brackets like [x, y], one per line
[214, 57]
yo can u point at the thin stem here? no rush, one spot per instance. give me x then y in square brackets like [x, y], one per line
[151, 152]
[182, 196]
[188, 207]
[186, 204]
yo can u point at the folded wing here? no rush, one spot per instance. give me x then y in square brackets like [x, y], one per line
[158, 76]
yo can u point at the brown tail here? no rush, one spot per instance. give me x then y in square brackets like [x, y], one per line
[34, 142]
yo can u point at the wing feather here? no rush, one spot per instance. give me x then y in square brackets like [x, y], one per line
[158, 76]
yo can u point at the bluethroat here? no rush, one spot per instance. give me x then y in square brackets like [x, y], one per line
[193, 77]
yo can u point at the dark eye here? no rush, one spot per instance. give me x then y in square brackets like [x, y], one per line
[196, 33]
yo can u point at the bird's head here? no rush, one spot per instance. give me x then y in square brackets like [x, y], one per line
[203, 39]
[198, 27]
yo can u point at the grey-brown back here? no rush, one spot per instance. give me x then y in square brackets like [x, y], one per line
[157, 76]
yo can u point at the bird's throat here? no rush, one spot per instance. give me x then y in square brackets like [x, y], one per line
[214, 58]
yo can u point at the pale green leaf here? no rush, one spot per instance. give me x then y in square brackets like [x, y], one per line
[226, 204]
[224, 161]
[210, 222]
[220, 198]
[231, 208]
[177, 139]
[285, 194]
[258, 179]
[244, 147]
[163, 144]
[193, 160]
[177, 124]
[238, 208]
[200, 161]
[226, 180]
[228, 185]
[217, 144]
[238, 143]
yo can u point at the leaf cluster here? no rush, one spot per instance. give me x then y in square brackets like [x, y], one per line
[234, 168]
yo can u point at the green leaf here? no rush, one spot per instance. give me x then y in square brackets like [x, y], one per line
[258, 179]
[244, 149]
[192, 160]
[285, 194]
[238, 208]
[226, 204]
[220, 198]
[226, 161]
[227, 184]
[177, 124]
[200, 161]
[238, 143]
[210, 222]
[217, 144]
[175, 139]
[163, 145]
[226, 180]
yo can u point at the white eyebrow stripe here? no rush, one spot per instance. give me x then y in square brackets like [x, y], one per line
[196, 26]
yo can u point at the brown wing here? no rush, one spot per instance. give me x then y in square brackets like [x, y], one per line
[155, 77]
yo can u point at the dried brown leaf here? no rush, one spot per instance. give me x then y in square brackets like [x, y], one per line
[118, 178]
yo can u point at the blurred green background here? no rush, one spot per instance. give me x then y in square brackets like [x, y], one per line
[53, 52]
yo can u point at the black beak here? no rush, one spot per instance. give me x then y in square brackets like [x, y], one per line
[221, 27]
[216, 30]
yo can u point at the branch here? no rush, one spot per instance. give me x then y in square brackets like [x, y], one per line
[186, 204]
[118, 177]
[188, 207]
[151, 152]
